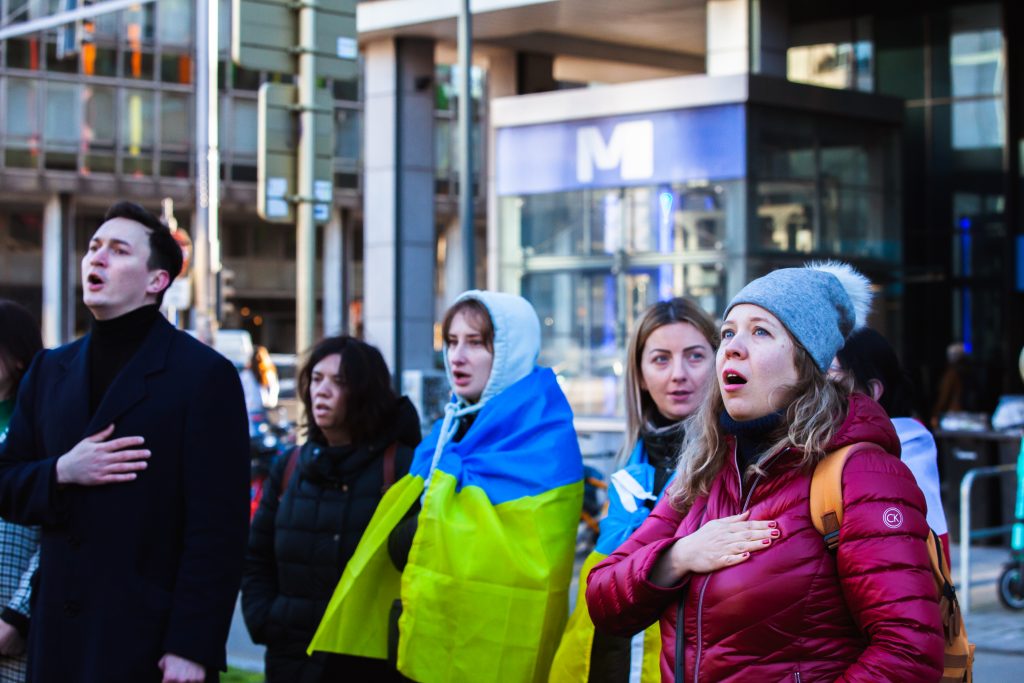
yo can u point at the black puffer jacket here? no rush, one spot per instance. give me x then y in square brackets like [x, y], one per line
[300, 542]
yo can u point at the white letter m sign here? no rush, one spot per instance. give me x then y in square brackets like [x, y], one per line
[630, 149]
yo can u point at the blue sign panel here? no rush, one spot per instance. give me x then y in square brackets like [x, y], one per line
[1020, 263]
[708, 143]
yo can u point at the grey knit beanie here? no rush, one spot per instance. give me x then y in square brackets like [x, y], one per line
[820, 304]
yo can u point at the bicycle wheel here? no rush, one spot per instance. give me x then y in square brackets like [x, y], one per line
[1011, 587]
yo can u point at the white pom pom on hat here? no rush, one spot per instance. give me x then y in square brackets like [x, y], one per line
[857, 287]
[820, 304]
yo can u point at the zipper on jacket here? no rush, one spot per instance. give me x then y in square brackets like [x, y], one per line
[680, 647]
[700, 600]
[796, 677]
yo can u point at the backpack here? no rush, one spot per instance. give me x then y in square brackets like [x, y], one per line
[827, 515]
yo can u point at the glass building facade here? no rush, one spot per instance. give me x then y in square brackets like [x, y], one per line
[617, 213]
[928, 202]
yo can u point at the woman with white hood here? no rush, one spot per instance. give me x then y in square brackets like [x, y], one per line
[476, 543]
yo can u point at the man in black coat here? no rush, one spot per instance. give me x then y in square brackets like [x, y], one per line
[130, 448]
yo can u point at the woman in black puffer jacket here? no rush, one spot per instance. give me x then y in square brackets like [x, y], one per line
[317, 503]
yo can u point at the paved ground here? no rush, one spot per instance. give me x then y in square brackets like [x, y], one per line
[997, 632]
[242, 653]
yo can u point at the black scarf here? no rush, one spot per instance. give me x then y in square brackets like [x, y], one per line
[753, 437]
[662, 440]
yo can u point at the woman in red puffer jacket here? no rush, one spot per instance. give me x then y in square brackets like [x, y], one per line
[732, 554]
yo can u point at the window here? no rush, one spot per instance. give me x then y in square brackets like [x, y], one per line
[835, 54]
[977, 71]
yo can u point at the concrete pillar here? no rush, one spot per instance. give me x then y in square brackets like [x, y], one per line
[746, 36]
[398, 199]
[508, 73]
[58, 241]
[333, 260]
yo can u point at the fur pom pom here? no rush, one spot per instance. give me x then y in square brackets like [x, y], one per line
[857, 287]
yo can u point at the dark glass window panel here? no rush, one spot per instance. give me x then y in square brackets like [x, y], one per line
[174, 168]
[21, 158]
[138, 65]
[98, 163]
[346, 180]
[234, 240]
[137, 165]
[23, 53]
[176, 69]
[267, 241]
[243, 173]
[245, 79]
[61, 161]
[68, 65]
[26, 229]
[99, 61]
[346, 90]
[899, 56]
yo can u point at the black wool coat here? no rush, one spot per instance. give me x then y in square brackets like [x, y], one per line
[131, 571]
[302, 539]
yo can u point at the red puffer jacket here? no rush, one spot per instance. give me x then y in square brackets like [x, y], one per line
[793, 612]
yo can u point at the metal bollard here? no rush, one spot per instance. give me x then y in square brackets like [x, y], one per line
[965, 526]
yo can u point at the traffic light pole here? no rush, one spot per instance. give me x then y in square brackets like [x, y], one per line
[207, 160]
[305, 239]
[465, 31]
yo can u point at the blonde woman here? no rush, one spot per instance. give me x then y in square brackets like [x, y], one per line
[730, 562]
[669, 365]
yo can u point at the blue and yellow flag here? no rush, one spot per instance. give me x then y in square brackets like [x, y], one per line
[485, 591]
[630, 488]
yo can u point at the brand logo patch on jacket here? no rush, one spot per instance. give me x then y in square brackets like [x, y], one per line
[893, 518]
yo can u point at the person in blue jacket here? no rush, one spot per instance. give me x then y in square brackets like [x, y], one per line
[670, 362]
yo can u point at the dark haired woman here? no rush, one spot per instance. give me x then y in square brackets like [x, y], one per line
[872, 367]
[19, 545]
[317, 503]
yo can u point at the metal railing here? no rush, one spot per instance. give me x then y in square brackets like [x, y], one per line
[966, 484]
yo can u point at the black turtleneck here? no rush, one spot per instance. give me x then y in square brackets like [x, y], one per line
[112, 345]
[753, 437]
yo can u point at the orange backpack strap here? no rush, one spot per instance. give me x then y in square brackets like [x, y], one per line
[389, 467]
[827, 493]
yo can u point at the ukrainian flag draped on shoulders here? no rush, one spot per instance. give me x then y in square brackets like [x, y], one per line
[485, 591]
[631, 487]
